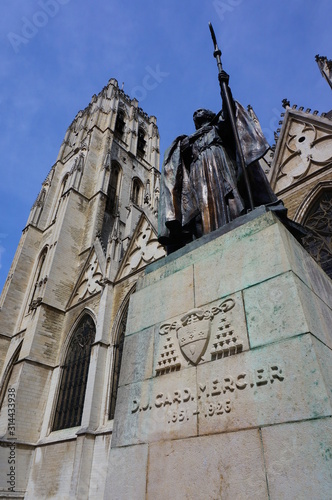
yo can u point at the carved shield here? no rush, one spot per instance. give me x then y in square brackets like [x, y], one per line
[194, 335]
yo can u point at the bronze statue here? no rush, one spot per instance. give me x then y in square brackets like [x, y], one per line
[202, 185]
[213, 176]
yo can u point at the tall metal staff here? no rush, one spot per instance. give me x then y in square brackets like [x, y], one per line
[225, 94]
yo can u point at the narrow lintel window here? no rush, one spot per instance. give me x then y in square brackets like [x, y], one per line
[136, 191]
[74, 376]
[62, 190]
[112, 199]
[141, 142]
[36, 295]
[120, 123]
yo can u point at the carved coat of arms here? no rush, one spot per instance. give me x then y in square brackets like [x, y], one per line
[193, 334]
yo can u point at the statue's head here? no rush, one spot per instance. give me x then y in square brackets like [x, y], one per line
[202, 117]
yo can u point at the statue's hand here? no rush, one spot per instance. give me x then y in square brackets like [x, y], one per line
[223, 77]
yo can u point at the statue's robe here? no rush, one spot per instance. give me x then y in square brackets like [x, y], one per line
[202, 184]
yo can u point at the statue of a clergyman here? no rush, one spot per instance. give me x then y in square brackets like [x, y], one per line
[202, 185]
[205, 176]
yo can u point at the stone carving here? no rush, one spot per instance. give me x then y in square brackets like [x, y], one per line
[226, 342]
[89, 283]
[308, 148]
[325, 67]
[168, 359]
[193, 332]
[144, 249]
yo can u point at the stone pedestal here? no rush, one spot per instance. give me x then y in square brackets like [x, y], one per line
[225, 386]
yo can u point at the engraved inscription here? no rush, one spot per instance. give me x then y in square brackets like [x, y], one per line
[214, 397]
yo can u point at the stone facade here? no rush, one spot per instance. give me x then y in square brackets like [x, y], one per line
[90, 233]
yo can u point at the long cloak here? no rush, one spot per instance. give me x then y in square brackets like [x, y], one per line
[201, 178]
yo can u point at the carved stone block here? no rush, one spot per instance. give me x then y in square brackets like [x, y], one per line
[238, 265]
[157, 303]
[127, 473]
[137, 358]
[219, 466]
[270, 308]
[298, 459]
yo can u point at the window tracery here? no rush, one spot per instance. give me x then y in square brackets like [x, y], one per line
[117, 358]
[319, 240]
[74, 376]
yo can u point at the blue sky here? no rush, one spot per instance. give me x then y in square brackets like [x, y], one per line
[55, 54]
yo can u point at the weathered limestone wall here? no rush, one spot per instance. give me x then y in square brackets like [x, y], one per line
[225, 386]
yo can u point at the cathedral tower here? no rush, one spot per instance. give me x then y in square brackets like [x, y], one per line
[63, 312]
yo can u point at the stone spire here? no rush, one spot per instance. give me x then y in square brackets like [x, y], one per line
[325, 67]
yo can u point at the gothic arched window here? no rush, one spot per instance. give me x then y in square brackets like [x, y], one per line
[112, 192]
[141, 142]
[136, 191]
[38, 281]
[120, 123]
[62, 190]
[117, 357]
[74, 376]
[319, 240]
[8, 373]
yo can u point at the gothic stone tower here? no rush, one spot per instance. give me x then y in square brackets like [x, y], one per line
[90, 233]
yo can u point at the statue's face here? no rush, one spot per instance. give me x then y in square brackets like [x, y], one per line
[202, 117]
